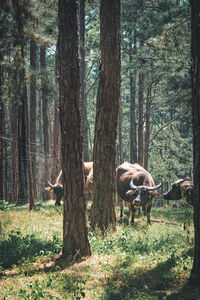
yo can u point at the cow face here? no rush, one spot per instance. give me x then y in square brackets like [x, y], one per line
[140, 196]
[175, 192]
[58, 191]
[181, 189]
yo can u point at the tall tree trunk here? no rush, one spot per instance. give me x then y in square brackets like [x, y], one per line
[33, 105]
[45, 114]
[133, 133]
[2, 134]
[83, 100]
[103, 211]
[56, 155]
[120, 160]
[20, 88]
[141, 122]
[195, 45]
[75, 231]
[147, 127]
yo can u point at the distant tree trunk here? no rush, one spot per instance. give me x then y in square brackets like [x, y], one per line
[45, 114]
[83, 101]
[133, 135]
[103, 210]
[75, 232]
[14, 141]
[120, 160]
[33, 105]
[147, 127]
[141, 121]
[22, 147]
[195, 45]
[20, 94]
[2, 134]
[56, 152]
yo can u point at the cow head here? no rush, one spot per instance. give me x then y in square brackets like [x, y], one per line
[58, 191]
[141, 195]
[181, 189]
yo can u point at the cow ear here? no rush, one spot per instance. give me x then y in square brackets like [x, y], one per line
[154, 193]
[130, 193]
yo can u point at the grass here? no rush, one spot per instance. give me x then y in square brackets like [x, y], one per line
[140, 262]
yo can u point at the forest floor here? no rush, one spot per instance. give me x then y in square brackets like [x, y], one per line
[135, 262]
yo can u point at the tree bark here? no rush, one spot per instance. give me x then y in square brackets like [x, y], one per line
[147, 129]
[83, 100]
[33, 105]
[103, 212]
[195, 46]
[140, 122]
[75, 231]
[133, 134]
[45, 115]
[2, 127]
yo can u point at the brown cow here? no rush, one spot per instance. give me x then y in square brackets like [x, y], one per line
[136, 186]
[181, 189]
[57, 187]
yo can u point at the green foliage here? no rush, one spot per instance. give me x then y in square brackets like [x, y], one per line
[136, 262]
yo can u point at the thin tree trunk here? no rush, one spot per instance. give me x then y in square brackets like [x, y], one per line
[83, 100]
[133, 133]
[141, 122]
[147, 127]
[56, 154]
[75, 232]
[33, 105]
[195, 45]
[103, 210]
[45, 114]
[120, 132]
[2, 134]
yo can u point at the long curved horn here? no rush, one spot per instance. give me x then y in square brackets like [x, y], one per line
[153, 188]
[58, 178]
[51, 185]
[134, 187]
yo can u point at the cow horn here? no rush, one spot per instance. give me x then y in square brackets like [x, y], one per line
[134, 187]
[153, 188]
[51, 185]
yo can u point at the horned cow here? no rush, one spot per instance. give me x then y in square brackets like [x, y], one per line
[57, 187]
[136, 186]
[181, 189]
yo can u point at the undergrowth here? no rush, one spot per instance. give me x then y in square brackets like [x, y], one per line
[135, 262]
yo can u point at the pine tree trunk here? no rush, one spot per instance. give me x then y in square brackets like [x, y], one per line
[195, 45]
[140, 122]
[2, 134]
[75, 231]
[147, 132]
[120, 160]
[56, 152]
[33, 105]
[45, 115]
[103, 212]
[83, 100]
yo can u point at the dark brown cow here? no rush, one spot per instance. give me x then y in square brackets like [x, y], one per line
[181, 189]
[57, 187]
[136, 186]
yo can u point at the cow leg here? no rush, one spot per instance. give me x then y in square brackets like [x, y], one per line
[121, 205]
[148, 216]
[133, 213]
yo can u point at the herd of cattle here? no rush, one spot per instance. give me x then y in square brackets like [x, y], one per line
[135, 186]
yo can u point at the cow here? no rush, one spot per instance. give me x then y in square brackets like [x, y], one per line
[136, 186]
[181, 189]
[57, 187]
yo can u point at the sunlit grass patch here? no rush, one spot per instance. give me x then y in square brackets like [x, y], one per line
[135, 262]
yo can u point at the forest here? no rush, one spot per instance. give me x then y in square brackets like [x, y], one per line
[108, 82]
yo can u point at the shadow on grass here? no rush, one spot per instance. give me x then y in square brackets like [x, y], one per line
[17, 248]
[158, 283]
